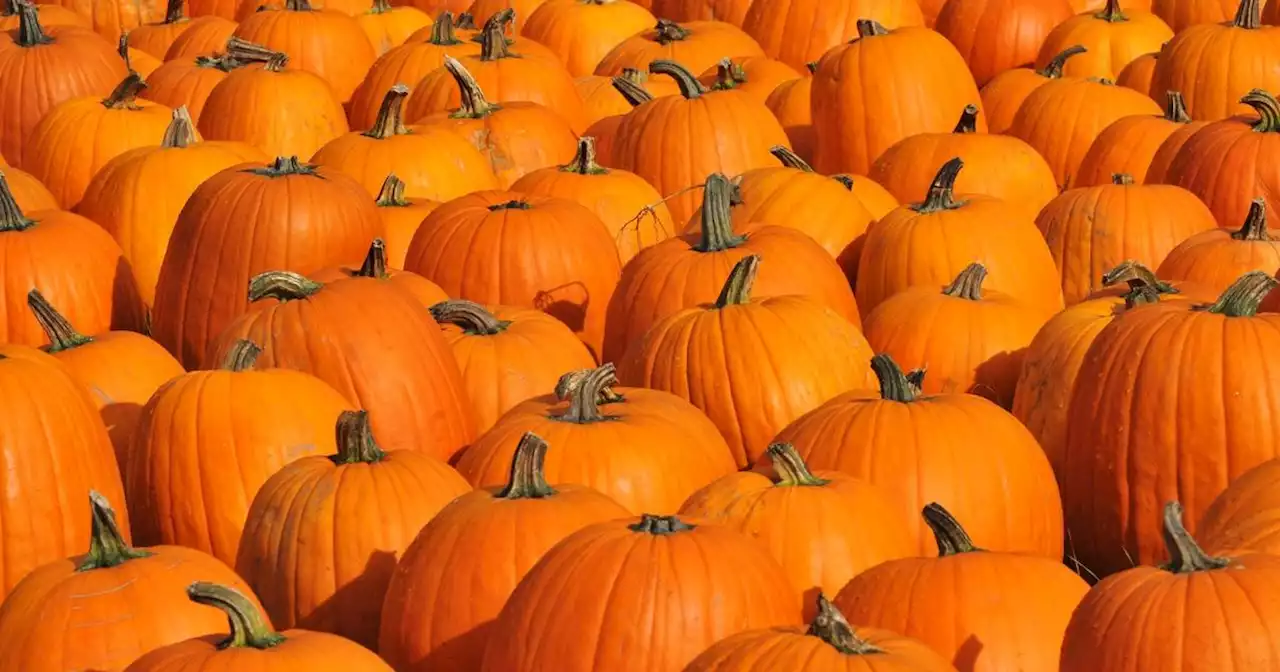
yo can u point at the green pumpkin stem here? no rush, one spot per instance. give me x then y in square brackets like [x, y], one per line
[442, 33]
[474, 105]
[390, 121]
[107, 547]
[844, 179]
[62, 336]
[356, 444]
[284, 166]
[894, 384]
[668, 31]
[375, 262]
[1053, 69]
[281, 286]
[947, 532]
[528, 478]
[30, 32]
[742, 279]
[1248, 15]
[729, 75]
[1185, 554]
[968, 285]
[717, 220]
[586, 390]
[831, 627]
[631, 90]
[689, 85]
[173, 12]
[249, 630]
[125, 95]
[660, 526]
[493, 39]
[297, 5]
[1111, 13]
[471, 317]
[1244, 296]
[391, 194]
[941, 194]
[1122, 179]
[789, 159]
[1255, 223]
[870, 28]
[245, 51]
[1144, 286]
[812, 67]
[1175, 107]
[181, 131]
[1268, 109]
[790, 467]
[584, 161]
[380, 7]
[968, 120]
[241, 357]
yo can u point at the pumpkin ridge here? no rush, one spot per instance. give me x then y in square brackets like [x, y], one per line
[528, 478]
[248, 629]
[62, 336]
[471, 317]
[356, 444]
[107, 547]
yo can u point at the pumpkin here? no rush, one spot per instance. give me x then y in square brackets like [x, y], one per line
[72, 262]
[1137, 75]
[27, 191]
[1092, 229]
[583, 32]
[1162, 159]
[810, 355]
[1243, 516]
[756, 75]
[205, 35]
[1003, 96]
[790, 102]
[647, 449]
[136, 60]
[246, 8]
[187, 82]
[1085, 107]
[931, 599]
[675, 142]
[921, 326]
[388, 27]
[875, 198]
[1129, 145]
[53, 451]
[253, 646]
[1000, 166]
[956, 448]
[229, 428]
[516, 138]
[295, 112]
[112, 19]
[829, 643]
[512, 249]
[860, 111]
[120, 369]
[824, 528]
[311, 555]
[324, 42]
[631, 209]
[1113, 37]
[925, 243]
[245, 220]
[1243, 147]
[431, 162]
[630, 88]
[483, 10]
[1133, 367]
[1146, 608]
[375, 265]
[71, 62]
[1214, 64]
[733, 12]
[466, 562]
[85, 612]
[508, 355]
[409, 62]
[413, 388]
[695, 45]
[1217, 257]
[49, 15]
[688, 270]
[801, 31]
[1182, 15]
[401, 217]
[142, 226]
[155, 39]
[726, 582]
[600, 99]
[997, 35]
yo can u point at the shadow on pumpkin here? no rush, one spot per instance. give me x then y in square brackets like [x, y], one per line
[120, 419]
[464, 652]
[355, 610]
[567, 303]
[967, 654]
[997, 377]
[128, 312]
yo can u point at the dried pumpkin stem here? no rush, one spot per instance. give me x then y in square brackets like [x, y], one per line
[660, 526]
[11, 217]
[469, 316]
[1248, 15]
[466, 21]
[1139, 278]
[122, 49]
[968, 120]
[298, 5]
[356, 444]
[812, 67]
[245, 51]
[390, 121]
[742, 279]
[1268, 109]
[1185, 554]
[846, 180]
[632, 91]
[584, 162]
[1053, 69]
[1175, 107]
[689, 85]
[474, 104]
[791, 469]
[181, 131]
[249, 630]
[442, 33]
[894, 384]
[790, 159]
[568, 384]
[870, 28]
[528, 478]
[717, 221]
[1111, 13]
[284, 166]
[380, 7]
[1244, 296]
[173, 12]
[107, 547]
[947, 532]
[968, 285]
[30, 32]
[729, 75]
[1255, 223]
[510, 205]
[493, 39]
[1122, 179]
[668, 31]
[281, 286]
[391, 194]
[941, 194]
[375, 261]
[242, 356]
[585, 394]
[125, 95]
[62, 336]
[830, 626]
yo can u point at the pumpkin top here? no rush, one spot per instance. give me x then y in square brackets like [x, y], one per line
[941, 194]
[390, 121]
[968, 120]
[690, 87]
[471, 317]
[869, 28]
[1144, 286]
[493, 39]
[717, 221]
[391, 193]
[1248, 15]
[951, 537]
[181, 131]
[742, 279]
[660, 526]
[1185, 554]
[1244, 296]
[790, 159]
[830, 626]
[584, 162]
[1268, 109]
[586, 391]
[125, 95]
[474, 105]
[380, 7]
[668, 31]
[1111, 13]
[11, 217]
[30, 32]
[729, 75]
[1175, 108]
[249, 630]
[281, 286]
[1255, 223]
[107, 547]
[244, 51]
[242, 356]
[284, 166]
[62, 336]
[631, 90]
[968, 285]
[894, 384]
[375, 262]
[528, 478]
[442, 32]
[356, 444]
[791, 469]
[1053, 69]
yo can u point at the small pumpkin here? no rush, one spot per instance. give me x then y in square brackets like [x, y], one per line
[325, 42]
[388, 27]
[1216, 258]
[1216, 58]
[1243, 517]
[1113, 37]
[1005, 93]
[600, 99]
[694, 45]
[377, 265]
[583, 32]
[756, 75]
[997, 35]
[187, 82]
[800, 31]
[1130, 144]
[401, 217]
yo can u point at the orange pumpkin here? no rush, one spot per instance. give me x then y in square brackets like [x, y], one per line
[113, 18]
[733, 12]
[801, 31]
[187, 82]
[583, 32]
[155, 39]
[1113, 38]
[325, 42]
[388, 27]
[875, 198]
[246, 8]
[756, 75]
[205, 35]
[695, 45]
[997, 35]
[790, 102]
[1129, 145]
[1243, 517]
[49, 15]
[601, 99]
[27, 191]
[401, 217]
[483, 10]
[1217, 257]
[1217, 29]
[375, 265]
[467, 561]
[1162, 159]
[1004, 94]
[1137, 75]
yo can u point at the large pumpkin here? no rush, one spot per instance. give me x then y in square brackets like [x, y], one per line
[1005, 93]
[1244, 516]
[583, 32]
[1129, 145]
[322, 41]
[726, 584]
[1217, 257]
[1184, 14]
[1113, 37]
[696, 46]
[799, 31]
[647, 449]
[467, 561]
[997, 35]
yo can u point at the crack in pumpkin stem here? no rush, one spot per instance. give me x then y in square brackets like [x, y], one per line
[1244, 296]
[716, 219]
[390, 120]
[356, 444]
[241, 357]
[30, 32]
[941, 194]
[1053, 69]
[789, 159]
[586, 390]
[791, 468]
[947, 532]
[528, 478]
[660, 526]
[281, 286]
[391, 194]
[830, 626]
[249, 630]
[107, 547]
[894, 384]
[61, 335]
[1185, 554]
[689, 85]
[968, 285]
[742, 279]
[968, 120]
[11, 216]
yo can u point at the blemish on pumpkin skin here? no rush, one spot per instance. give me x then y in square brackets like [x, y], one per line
[482, 139]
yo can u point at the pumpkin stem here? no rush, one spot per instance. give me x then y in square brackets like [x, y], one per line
[717, 222]
[1185, 554]
[493, 39]
[390, 121]
[466, 21]
[586, 390]
[660, 526]
[689, 85]
[284, 166]
[845, 179]
[951, 537]
[474, 104]
[30, 32]
[62, 336]
[830, 626]
[1248, 15]
[11, 217]
[635, 94]
[297, 5]
[122, 49]
[245, 51]
[528, 478]
[729, 75]
[391, 194]
[941, 194]
[791, 469]
[1053, 69]
[812, 67]
[790, 159]
[584, 162]
[181, 131]
[173, 12]
[1111, 13]
[355, 440]
[242, 356]
[126, 93]
[1122, 179]
[511, 205]
[107, 547]
[375, 261]
[281, 286]
[442, 33]
[1244, 296]
[471, 317]
[1139, 278]
[1255, 223]
[968, 285]
[1268, 109]
[968, 120]
[1175, 107]
[221, 62]
[668, 31]
[737, 288]
[894, 384]
[380, 7]
[870, 28]
[249, 630]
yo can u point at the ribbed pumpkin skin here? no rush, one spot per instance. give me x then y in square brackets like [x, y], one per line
[1244, 516]
[790, 103]
[1005, 93]
[712, 582]
[1127, 146]
[1112, 43]
[52, 432]
[760, 75]
[601, 100]
[997, 35]
[799, 31]
[389, 28]
[240, 223]
[583, 33]
[1182, 14]
[432, 162]
[1248, 167]
[517, 138]
[1213, 65]
[327, 43]
[855, 117]
[300, 650]
[204, 36]
[706, 43]
[296, 111]
[49, 15]
[793, 648]
[1217, 257]
[183, 82]
[27, 191]
[406, 64]
[426, 293]
[400, 222]
[110, 18]
[1139, 73]
[1168, 151]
